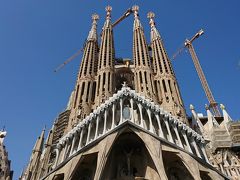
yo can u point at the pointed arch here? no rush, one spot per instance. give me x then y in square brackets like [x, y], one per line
[129, 158]
[174, 167]
[86, 167]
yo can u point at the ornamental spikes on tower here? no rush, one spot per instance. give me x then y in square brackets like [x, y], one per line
[164, 80]
[143, 68]
[105, 74]
[85, 85]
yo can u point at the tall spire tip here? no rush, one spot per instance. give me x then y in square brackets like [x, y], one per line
[191, 107]
[222, 106]
[135, 9]
[150, 15]
[108, 10]
[95, 17]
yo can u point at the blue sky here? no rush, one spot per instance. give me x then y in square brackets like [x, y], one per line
[37, 36]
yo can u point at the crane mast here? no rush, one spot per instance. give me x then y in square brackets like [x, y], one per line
[212, 103]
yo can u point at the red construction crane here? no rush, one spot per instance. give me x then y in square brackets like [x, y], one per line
[125, 15]
[188, 44]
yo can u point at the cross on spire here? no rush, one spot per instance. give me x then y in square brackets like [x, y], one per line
[95, 17]
[151, 16]
[108, 10]
[135, 9]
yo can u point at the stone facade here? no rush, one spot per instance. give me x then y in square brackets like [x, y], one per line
[222, 135]
[125, 119]
[5, 169]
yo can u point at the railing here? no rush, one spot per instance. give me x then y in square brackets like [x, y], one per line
[127, 105]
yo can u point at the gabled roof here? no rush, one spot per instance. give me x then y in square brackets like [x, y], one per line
[127, 92]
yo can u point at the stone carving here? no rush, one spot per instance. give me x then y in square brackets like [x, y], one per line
[128, 158]
[126, 92]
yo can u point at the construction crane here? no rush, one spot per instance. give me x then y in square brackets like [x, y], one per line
[125, 15]
[188, 44]
[69, 60]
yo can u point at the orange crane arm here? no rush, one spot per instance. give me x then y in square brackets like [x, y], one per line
[125, 15]
[69, 60]
[203, 80]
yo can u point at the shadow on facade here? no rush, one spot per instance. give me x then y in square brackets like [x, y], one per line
[129, 160]
[85, 170]
[174, 167]
[59, 177]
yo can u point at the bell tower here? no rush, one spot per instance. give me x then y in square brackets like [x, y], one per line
[105, 69]
[84, 93]
[164, 80]
[143, 67]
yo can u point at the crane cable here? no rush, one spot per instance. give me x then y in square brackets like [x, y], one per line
[68, 60]
[179, 51]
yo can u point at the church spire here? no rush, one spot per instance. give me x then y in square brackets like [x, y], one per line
[154, 32]
[107, 23]
[39, 142]
[143, 67]
[137, 23]
[5, 169]
[32, 168]
[85, 86]
[105, 74]
[165, 81]
[2, 136]
[45, 156]
[93, 32]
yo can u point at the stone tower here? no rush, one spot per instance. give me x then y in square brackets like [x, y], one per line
[125, 119]
[5, 169]
[32, 171]
[143, 66]
[83, 96]
[105, 84]
[165, 82]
